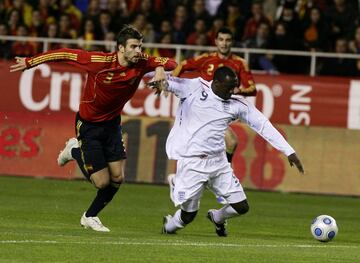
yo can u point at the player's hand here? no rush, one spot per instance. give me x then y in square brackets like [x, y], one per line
[293, 159]
[158, 85]
[19, 66]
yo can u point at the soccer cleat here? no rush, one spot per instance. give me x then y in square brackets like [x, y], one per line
[165, 220]
[220, 229]
[170, 179]
[94, 223]
[65, 155]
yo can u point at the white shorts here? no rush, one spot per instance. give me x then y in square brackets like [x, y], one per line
[193, 175]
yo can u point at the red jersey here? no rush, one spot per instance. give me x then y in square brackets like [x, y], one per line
[206, 64]
[109, 85]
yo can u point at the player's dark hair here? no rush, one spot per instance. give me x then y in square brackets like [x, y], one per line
[128, 32]
[225, 30]
[221, 73]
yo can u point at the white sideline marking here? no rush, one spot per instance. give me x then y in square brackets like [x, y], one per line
[172, 244]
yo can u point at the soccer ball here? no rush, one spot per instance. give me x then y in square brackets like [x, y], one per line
[324, 228]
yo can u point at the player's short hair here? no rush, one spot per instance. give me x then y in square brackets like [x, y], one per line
[221, 73]
[225, 30]
[126, 33]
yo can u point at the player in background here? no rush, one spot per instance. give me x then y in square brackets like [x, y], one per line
[205, 65]
[112, 79]
[196, 141]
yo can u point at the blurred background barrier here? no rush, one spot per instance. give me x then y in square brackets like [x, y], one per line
[263, 60]
[318, 115]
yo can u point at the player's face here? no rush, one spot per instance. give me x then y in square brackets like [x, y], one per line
[226, 88]
[132, 50]
[223, 43]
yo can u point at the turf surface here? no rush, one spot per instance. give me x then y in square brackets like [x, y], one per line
[39, 222]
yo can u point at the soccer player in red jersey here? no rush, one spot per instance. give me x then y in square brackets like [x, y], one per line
[205, 65]
[112, 81]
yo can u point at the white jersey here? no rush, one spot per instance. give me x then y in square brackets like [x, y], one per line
[202, 118]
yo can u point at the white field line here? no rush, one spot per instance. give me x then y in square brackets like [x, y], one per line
[163, 243]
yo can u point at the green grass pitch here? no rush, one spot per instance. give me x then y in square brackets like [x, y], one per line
[39, 222]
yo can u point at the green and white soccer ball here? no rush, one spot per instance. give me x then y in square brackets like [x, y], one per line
[324, 228]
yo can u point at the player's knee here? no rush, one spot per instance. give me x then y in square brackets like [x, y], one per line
[187, 217]
[118, 178]
[241, 207]
[101, 183]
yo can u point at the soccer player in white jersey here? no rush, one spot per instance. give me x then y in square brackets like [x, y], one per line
[196, 141]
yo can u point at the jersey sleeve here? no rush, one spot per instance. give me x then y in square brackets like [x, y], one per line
[154, 62]
[76, 57]
[190, 64]
[250, 115]
[247, 87]
[181, 87]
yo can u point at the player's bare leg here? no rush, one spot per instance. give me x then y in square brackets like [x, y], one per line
[108, 181]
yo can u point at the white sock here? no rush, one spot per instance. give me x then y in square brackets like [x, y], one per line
[175, 222]
[224, 213]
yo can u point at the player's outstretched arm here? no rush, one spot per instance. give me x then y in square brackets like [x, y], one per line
[293, 159]
[260, 124]
[19, 66]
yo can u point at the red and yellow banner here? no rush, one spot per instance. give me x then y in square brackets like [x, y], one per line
[319, 116]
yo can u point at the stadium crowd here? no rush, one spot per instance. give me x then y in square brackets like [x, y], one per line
[308, 25]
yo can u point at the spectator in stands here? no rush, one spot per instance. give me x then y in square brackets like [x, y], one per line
[75, 15]
[5, 45]
[339, 66]
[342, 16]
[262, 40]
[14, 20]
[201, 41]
[93, 10]
[47, 11]
[254, 21]
[198, 11]
[151, 15]
[146, 29]
[217, 23]
[110, 36]
[2, 11]
[118, 12]
[180, 24]
[165, 28]
[243, 5]
[165, 52]
[199, 29]
[316, 31]
[37, 25]
[269, 9]
[52, 32]
[303, 7]
[88, 33]
[354, 44]
[25, 10]
[65, 28]
[235, 21]
[105, 24]
[292, 23]
[22, 48]
[283, 41]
